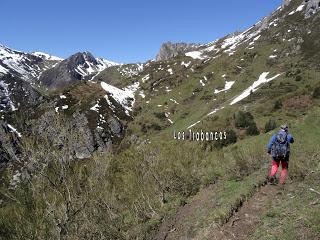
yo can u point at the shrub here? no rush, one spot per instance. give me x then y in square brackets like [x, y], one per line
[160, 115]
[231, 138]
[277, 105]
[270, 125]
[252, 129]
[298, 78]
[316, 93]
[243, 119]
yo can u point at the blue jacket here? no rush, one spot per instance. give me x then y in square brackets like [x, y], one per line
[273, 139]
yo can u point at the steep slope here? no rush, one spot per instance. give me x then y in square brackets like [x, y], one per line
[29, 109]
[242, 68]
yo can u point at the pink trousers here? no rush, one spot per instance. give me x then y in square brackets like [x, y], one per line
[284, 170]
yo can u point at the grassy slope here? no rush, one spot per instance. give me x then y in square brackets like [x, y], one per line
[284, 218]
[296, 216]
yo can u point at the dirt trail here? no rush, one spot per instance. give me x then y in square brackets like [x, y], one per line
[240, 225]
[243, 223]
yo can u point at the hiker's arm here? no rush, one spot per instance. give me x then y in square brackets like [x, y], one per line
[270, 144]
[290, 138]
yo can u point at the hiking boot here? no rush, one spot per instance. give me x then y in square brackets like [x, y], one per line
[272, 180]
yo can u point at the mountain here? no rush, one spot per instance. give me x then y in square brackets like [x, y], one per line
[73, 69]
[137, 151]
[221, 73]
[26, 106]
[27, 66]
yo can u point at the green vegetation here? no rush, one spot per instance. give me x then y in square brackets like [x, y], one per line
[270, 125]
[127, 193]
[126, 196]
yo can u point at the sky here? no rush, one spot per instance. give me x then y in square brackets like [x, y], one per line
[124, 31]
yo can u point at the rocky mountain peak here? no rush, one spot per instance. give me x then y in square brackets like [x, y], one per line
[169, 50]
[79, 66]
[82, 58]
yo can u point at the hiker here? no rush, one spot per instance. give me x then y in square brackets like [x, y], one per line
[279, 149]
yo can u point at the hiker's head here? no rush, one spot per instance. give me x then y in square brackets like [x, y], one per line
[284, 127]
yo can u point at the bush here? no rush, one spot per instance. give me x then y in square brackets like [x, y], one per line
[270, 125]
[246, 120]
[231, 138]
[298, 78]
[277, 105]
[243, 119]
[252, 129]
[160, 115]
[316, 93]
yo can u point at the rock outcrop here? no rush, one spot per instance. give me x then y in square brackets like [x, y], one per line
[312, 7]
[169, 50]
[286, 3]
[74, 135]
[10, 149]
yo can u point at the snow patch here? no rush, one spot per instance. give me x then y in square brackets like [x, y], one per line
[227, 86]
[142, 94]
[254, 87]
[195, 55]
[12, 129]
[47, 56]
[186, 64]
[95, 107]
[172, 100]
[145, 78]
[214, 111]
[192, 125]
[123, 96]
[299, 9]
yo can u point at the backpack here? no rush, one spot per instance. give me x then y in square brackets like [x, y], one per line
[280, 147]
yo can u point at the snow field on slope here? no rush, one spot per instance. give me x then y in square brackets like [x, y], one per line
[254, 87]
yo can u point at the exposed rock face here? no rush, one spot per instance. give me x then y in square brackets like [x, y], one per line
[16, 93]
[286, 3]
[312, 7]
[9, 145]
[65, 72]
[169, 50]
[71, 70]
[74, 135]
